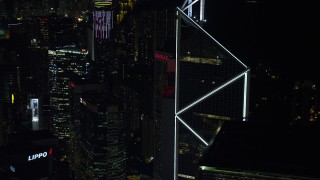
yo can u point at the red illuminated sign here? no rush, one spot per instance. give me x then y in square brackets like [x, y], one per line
[161, 56]
[170, 60]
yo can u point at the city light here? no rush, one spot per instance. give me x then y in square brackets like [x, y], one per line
[34, 103]
[12, 98]
[143, 89]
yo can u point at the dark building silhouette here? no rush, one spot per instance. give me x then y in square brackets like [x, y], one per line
[164, 86]
[8, 91]
[103, 137]
[305, 102]
[250, 150]
[77, 88]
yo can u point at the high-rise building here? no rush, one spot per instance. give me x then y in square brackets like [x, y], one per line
[34, 71]
[103, 137]
[64, 64]
[29, 9]
[71, 8]
[103, 21]
[34, 84]
[39, 30]
[164, 84]
[124, 7]
[48, 7]
[8, 93]
[77, 88]
[154, 24]
[61, 31]
[305, 102]
[211, 87]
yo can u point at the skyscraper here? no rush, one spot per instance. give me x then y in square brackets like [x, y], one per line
[103, 148]
[61, 31]
[211, 87]
[9, 85]
[305, 102]
[103, 21]
[8, 92]
[64, 64]
[77, 88]
[164, 82]
[40, 31]
[155, 23]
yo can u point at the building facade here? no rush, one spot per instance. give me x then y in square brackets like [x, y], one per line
[64, 64]
[103, 147]
[211, 87]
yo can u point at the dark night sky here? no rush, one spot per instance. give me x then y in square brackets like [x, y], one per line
[281, 33]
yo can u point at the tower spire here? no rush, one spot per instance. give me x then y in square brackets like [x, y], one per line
[189, 5]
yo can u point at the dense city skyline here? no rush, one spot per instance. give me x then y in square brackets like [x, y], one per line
[263, 27]
[136, 89]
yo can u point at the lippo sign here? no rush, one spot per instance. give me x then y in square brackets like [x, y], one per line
[39, 155]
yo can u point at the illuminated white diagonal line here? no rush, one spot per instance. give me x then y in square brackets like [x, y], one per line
[193, 132]
[184, 4]
[190, 5]
[198, 26]
[212, 92]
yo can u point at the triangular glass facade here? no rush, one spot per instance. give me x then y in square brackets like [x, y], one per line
[211, 87]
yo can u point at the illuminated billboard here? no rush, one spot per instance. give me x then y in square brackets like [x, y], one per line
[40, 155]
[103, 23]
[34, 104]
